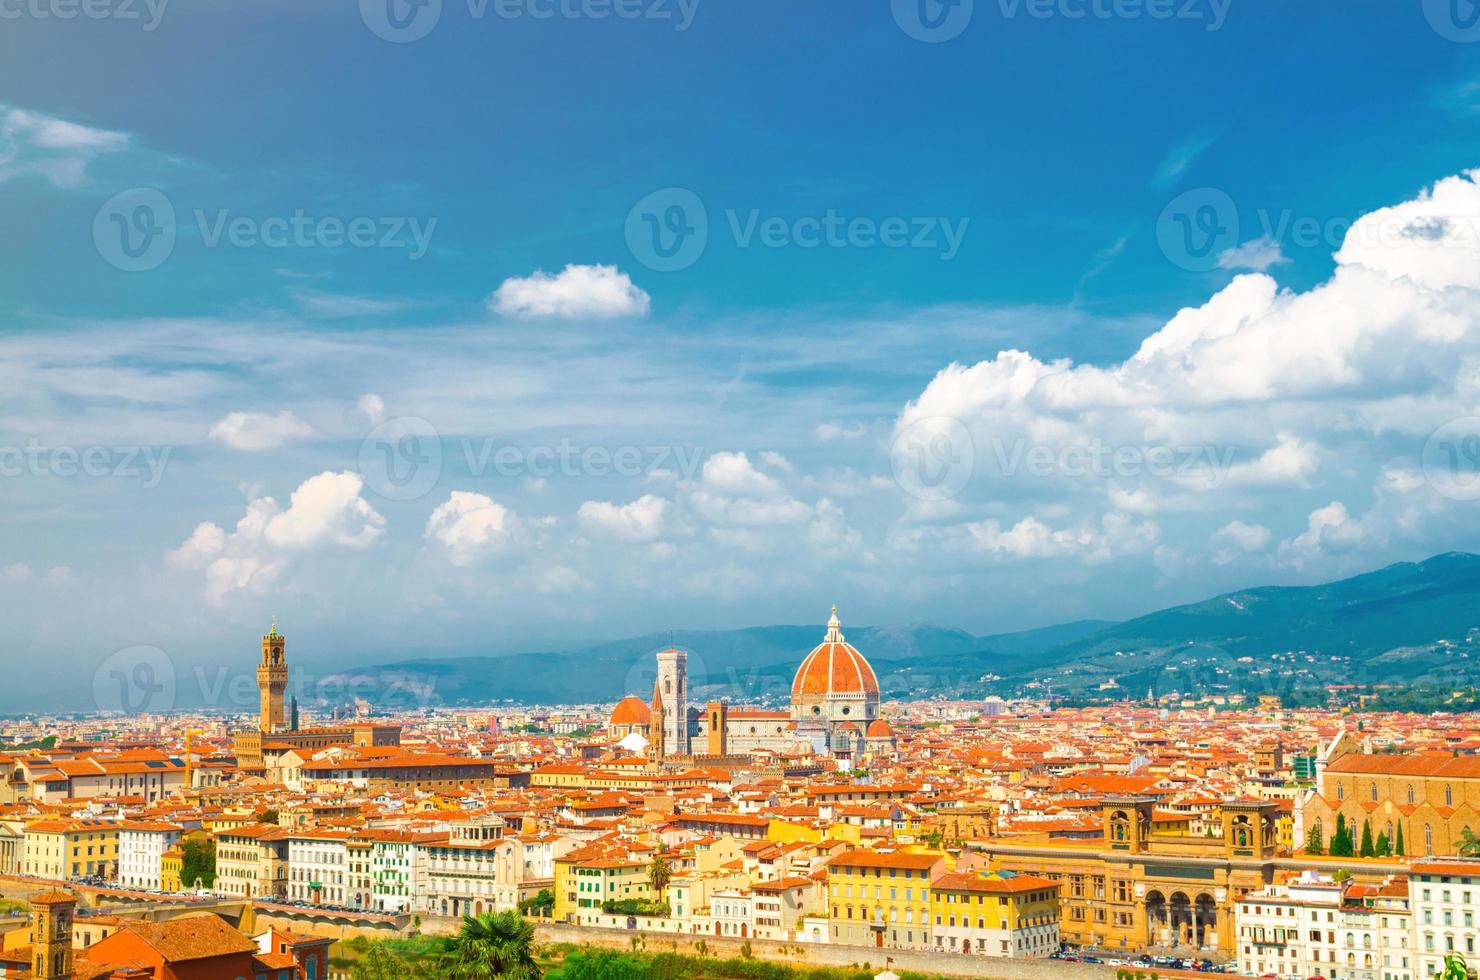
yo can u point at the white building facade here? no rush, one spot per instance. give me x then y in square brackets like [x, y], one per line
[141, 847]
[1445, 895]
[318, 867]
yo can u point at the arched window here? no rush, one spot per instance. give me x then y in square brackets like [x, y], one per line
[1428, 840]
[1410, 792]
[1340, 791]
[1374, 791]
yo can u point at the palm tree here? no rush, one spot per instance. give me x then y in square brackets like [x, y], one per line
[492, 946]
[1455, 968]
[660, 872]
[1468, 843]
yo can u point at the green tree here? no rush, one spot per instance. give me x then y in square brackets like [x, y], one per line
[1314, 843]
[377, 963]
[492, 946]
[268, 816]
[1341, 840]
[1367, 849]
[198, 863]
[1384, 846]
[1455, 968]
[1398, 847]
[660, 872]
[1468, 843]
[541, 905]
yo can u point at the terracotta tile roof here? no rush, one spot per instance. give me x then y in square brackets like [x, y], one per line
[193, 938]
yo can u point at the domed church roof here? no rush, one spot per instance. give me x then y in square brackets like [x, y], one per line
[834, 667]
[630, 711]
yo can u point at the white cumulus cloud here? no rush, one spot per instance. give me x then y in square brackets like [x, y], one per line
[255, 431]
[325, 512]
[576, 292]
[641, 520]
[470, 525]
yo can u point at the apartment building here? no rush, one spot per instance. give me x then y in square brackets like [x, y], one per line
[1314, 926]
[459, 870]
[1445, 898]
[587, 877]
[763, 910]
[882, 898]
[394, 859]
[318, 867]
[995, 914]
[67, 849]
[141, 849]
[251, 862]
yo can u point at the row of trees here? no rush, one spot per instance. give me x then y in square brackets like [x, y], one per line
[1344, 842]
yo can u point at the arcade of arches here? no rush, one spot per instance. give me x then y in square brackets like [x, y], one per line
[1144, 885]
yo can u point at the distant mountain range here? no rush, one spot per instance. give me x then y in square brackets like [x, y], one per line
[1406, 623]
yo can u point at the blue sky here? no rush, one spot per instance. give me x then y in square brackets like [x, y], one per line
[1036, 176]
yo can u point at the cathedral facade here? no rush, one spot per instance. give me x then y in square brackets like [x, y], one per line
[834, 711]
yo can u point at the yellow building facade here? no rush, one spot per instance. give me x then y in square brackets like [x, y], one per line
[64, 849]
[882, 898]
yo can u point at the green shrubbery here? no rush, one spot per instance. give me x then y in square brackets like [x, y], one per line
[636, 906]
[612, 965]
